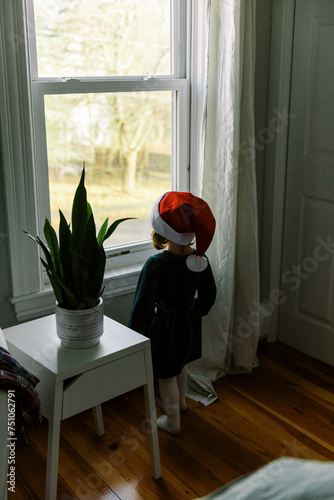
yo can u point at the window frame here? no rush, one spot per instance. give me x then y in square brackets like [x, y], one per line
[22, 156]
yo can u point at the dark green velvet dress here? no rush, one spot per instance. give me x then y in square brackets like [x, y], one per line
[168, 306]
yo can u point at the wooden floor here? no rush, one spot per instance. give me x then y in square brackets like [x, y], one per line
[284, 408]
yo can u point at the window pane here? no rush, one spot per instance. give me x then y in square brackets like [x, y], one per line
[124, 141]
[102, 37]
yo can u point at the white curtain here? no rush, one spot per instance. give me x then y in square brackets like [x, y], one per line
[231, 331]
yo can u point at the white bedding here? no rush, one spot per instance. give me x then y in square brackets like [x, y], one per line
[282, 479]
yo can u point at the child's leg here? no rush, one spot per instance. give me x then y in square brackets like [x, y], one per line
[181, 380]
[169, 394]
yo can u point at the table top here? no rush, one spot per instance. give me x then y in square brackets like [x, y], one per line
[37, 347]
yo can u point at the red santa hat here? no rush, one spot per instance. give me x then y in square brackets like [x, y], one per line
[180, 217]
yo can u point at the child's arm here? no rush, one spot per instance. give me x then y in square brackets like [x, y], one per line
[144, 300]
[207, 291]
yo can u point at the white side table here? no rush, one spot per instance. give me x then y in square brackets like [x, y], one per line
[73, 380]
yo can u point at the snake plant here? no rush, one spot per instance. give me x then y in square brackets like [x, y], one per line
[76, 265]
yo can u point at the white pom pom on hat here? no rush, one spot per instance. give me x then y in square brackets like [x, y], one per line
[196, 263]
[180, 217]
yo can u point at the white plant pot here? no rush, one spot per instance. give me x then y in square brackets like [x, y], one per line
[80, 329]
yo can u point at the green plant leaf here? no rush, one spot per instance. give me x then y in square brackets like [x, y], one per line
[70, 300]
[54, 282]
[91, 248]
[79, 277]
[67, 299]
[52, 241]
[29, 235]
[89, 211]
[96, 260]
[64, 296]
[102, 232]
[44, 247]
[65, 242]
[46, 251]
[113, 226]
[79, 212]
[97, 277]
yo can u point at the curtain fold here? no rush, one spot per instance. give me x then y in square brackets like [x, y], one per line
[231, 331]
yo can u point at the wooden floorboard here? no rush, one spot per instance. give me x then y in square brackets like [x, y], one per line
[284, 408]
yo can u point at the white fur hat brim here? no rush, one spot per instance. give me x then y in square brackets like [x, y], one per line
[162, 228]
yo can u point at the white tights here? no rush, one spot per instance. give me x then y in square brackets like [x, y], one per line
[173, 397]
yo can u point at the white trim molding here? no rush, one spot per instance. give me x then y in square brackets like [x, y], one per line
[121, 281]
[198, 40]
[17, 156]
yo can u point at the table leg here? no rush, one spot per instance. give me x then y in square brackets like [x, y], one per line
[52, 460]
[53, 443]
[152, 429]
[98, 420]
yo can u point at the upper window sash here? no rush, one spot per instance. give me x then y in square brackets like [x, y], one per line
[180, 10]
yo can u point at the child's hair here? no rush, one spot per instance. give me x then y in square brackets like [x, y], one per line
[159, 242]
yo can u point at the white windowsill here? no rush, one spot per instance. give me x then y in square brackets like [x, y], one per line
[118, 282]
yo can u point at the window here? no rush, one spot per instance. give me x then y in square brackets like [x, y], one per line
[93, 83]
[107, 88]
